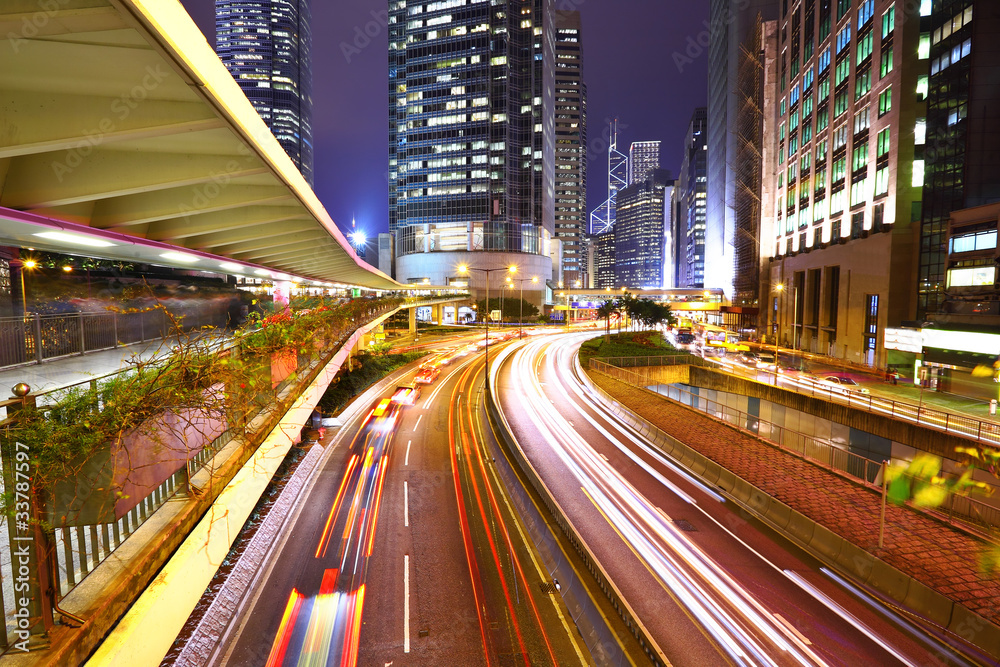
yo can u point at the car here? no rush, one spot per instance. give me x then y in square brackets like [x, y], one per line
[406, 394]
[843, 384]
[767, 361]
[427, 374]
[748, 358]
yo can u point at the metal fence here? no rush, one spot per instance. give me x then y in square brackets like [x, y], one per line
[966, 426]
[816, 450]
[36, 338]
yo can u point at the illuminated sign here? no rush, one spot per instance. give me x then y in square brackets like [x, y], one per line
[904, 340]
[963, 341]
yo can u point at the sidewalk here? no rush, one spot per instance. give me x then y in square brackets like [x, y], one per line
[937, 555]
[67, 371]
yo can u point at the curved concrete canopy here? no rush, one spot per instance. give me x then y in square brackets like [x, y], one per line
[116, 115]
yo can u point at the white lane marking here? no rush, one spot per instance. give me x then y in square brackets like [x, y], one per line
[406, 604]
[793, 630]
[417, 425]
[406, 505]
[407, 461]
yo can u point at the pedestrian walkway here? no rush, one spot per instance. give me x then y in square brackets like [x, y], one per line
[67, 371]
[937, 555]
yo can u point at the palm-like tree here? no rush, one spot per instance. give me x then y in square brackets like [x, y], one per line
[605, 311]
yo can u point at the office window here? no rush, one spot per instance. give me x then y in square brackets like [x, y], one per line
[807, 79]
[859, 159]
[822, 120]
[841, 73]
[823, 90]
[864, 48]
[840, 103]
[840, 137]
[865, 13]
[820, 151]
[861, 121]
[985, 240]
[883, 143]
[838, 170]
[862, 84]
[843, 6]
[888, 21]
[882, 181]
[885, 64]
[807, 106]
[924, 47]
[844, 38]
[793, 121]
[823, 62]
[885, 102]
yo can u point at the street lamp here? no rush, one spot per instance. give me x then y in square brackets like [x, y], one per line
[26, 264]
[464, 270]
[520, 317]
[779, 288]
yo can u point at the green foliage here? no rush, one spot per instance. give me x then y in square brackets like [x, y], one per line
[922, 482]
[642, 344]
[85, 421]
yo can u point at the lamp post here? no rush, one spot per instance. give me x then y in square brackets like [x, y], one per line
[520, 316]
[779, 288]
[464, 270]
[26, 264]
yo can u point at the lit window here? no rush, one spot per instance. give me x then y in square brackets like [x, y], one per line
[918, 174]
[977, 276]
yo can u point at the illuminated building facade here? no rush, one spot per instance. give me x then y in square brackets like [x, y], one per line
[640, 233]
[471, 138]
[265, 45]
[850, 82]
[571, 149]
[643, 160]
[691, 194]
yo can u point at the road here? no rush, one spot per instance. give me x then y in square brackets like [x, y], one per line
[708, 582]
[405, 550]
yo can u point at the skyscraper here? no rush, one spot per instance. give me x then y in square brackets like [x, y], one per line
[691, 194]
[640, 234]
[643, 159]
[961, 160]
[732, 23]
[471, 139]
[265, 45]
[602, 219]
[849, 124]
[571, 148]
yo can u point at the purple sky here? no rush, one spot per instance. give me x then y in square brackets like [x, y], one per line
[629, 65]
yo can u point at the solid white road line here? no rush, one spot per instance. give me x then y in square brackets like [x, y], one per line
[406, 505]
[407, 461]
[417, 425]
[406, 604]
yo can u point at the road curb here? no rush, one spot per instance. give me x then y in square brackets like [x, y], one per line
[819, 541]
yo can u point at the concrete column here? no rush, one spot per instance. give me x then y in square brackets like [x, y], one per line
[437, 314]
[413, 319]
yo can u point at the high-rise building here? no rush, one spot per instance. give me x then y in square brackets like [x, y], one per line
[386, 253]
[640, 232]
[691, 194]
[571, 148]
[643, 159]
[602, 219]
[849, 122]
[471, 139]
[754, 120]
[732, 24]
[604, 260]
[960, 161]
[265, 45]
[672, 235]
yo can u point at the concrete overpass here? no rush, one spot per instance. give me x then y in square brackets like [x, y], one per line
[123, 136]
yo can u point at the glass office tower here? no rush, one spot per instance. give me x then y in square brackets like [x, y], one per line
[471, 138]
[265, 45]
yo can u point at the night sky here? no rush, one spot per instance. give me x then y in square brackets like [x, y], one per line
[643, 62]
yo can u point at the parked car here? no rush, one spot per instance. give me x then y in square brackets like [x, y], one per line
[843, 384]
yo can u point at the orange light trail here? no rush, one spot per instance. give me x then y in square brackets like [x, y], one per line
[280, 645]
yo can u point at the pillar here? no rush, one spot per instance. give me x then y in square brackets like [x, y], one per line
[413, 319]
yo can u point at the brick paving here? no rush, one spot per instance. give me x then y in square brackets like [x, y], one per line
[937, 555]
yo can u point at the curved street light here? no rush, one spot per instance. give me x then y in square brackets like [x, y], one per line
[464, 270]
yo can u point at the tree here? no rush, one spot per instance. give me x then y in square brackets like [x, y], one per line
[512, 308]
[605, 311]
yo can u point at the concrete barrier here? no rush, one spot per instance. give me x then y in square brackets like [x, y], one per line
[841, 554]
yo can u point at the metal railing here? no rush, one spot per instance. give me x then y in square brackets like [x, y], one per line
[956, 424]
[816, 450]
[36, 338]
[80, 549]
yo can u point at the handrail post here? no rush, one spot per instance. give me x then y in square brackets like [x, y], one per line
[37, 326]
[83, 337]
[114, 320]
[881, 518]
